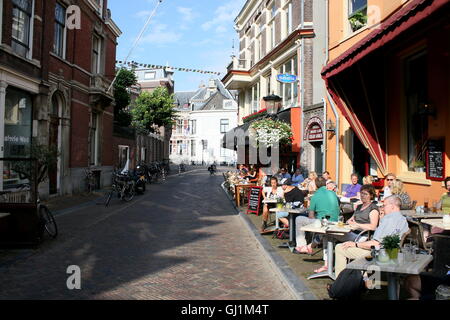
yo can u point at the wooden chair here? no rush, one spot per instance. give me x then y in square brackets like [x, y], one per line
[416, 235]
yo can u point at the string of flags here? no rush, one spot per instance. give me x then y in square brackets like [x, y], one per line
[134, 64]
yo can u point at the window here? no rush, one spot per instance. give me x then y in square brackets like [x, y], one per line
[179, 126]
[124, 155]
[149, 75]
[273, 11]
[357, 14]
[21, 26]
[193, 127]
[144, 155]
[223, 152]
[96, 54]
[289, 18]
[224, 123]
[179, 147]
[272, 30]
[416, 96]
[60, 30]
[193, 151]
[289, 91]
[94, 140]
[255, 98]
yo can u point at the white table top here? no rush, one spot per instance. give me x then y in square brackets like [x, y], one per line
[332, 228]
[410, 267]
[414, 214]
[436, 223]
[269, 201]
[299, 210]
[4, 214]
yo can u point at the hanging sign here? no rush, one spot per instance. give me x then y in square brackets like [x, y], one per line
[287, 78]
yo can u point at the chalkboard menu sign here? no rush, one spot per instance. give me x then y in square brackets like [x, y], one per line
[436, 160]
[254, 199]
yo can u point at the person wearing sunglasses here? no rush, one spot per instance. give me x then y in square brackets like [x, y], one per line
[390, 180]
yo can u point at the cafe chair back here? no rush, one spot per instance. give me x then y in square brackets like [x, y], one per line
[417, 235]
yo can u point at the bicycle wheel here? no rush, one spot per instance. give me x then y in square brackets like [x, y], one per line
[108, 199]
[48, 221]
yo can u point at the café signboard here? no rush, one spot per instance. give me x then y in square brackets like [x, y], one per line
[287, 78]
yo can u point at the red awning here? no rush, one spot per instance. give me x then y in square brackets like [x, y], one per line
[399, 22]
[389, 30]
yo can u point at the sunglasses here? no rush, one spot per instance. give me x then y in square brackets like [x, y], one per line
[390, 179]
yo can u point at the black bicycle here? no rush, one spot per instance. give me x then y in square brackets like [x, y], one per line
[124, 185]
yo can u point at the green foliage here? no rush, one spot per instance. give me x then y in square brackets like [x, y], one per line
[358, 20]
[391, 242]
[154, 109]
[123, 118]
[124, 80]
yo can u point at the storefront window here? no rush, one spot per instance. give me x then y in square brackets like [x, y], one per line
[416, 97]
[18, 120]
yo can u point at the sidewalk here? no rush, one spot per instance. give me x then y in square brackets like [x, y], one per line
[300, 266]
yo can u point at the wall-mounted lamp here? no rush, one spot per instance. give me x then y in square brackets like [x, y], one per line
[427, 109]
[272, 104]
[331, 127]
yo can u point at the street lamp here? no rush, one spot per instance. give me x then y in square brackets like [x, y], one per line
[272, 104]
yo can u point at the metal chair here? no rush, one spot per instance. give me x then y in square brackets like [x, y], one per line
[417, 235]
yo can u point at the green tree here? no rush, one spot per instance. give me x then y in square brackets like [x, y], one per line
[153, 110]
[124, 81]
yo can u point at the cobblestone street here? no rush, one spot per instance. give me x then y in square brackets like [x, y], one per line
[181, 240]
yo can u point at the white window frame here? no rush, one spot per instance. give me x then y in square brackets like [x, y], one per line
[1, 20]
[99, 53]
[254, 104]
[289, 19]
[96, 137]
[294, 71]
[121, 147]
[272, 34]
[226, 126]
[29, 54]
[153, 73]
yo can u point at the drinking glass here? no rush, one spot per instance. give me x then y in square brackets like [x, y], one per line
[383, 256]
[435, 205]
[407, 254]
[425, 204]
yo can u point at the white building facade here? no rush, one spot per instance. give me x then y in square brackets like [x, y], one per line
[204, 117]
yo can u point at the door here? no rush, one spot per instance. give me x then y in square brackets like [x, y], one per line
[318, 157]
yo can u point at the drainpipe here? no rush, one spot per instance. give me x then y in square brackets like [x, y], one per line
[330, 99]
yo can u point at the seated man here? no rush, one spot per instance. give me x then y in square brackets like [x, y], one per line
[392, 222]
[293, 195]
[352, 190]
[324, 203]
[285, 174]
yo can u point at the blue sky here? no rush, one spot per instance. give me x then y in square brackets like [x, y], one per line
[195, 34]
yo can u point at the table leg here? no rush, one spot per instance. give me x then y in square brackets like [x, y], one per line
[330, 261]
[392, 286]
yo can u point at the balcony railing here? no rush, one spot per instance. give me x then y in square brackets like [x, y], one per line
[239, 64]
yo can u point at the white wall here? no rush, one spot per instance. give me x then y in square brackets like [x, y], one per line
[208, 128]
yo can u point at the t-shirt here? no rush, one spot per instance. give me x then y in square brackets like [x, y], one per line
[325, 203]
[363, 216]
[445, 203]
[390, 224]
[279, 193]
[295, 195]
[352, 190]
[297, 179]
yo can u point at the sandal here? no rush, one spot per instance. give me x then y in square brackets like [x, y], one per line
[321, 269]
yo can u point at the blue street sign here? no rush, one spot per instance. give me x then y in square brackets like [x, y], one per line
[287, 78]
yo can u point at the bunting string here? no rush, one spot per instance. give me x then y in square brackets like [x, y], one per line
[134, 64]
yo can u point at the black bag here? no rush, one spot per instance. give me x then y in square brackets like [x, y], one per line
[349, 285]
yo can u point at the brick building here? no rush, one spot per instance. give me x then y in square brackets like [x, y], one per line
[279, 37]
[57, 59]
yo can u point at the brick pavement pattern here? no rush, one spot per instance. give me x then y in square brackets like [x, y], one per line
[181, 240]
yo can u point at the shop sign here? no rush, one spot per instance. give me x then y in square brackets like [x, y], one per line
[287, 78]
[314, 130]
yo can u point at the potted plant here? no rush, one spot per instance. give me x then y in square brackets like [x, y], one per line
[391, 244]
[419, 166]
[358, 20]
[280, 202]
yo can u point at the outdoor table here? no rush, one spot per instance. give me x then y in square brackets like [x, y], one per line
[292, 212]
[413, 214]
[273, 201]
[436, 223]
[332, 228]
[393, 269]
[238, 188]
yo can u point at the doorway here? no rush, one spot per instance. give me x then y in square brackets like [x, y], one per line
[361, 159]
[318, 157]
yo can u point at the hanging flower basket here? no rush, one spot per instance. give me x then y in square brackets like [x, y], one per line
[271, 132]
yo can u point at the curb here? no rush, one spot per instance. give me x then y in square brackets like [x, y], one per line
[287, 275]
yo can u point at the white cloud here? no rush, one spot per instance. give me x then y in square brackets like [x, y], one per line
[223, 17]
[158, 34]
[187, 17]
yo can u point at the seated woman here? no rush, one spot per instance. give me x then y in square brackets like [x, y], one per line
[270, 192]
[397, 189]
[297, 178]
[252, 176]
[310, 183]
[366, 217]
[292, 195]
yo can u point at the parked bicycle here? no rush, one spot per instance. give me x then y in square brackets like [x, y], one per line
[90, 180]
[47, 222]
[123, 185]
